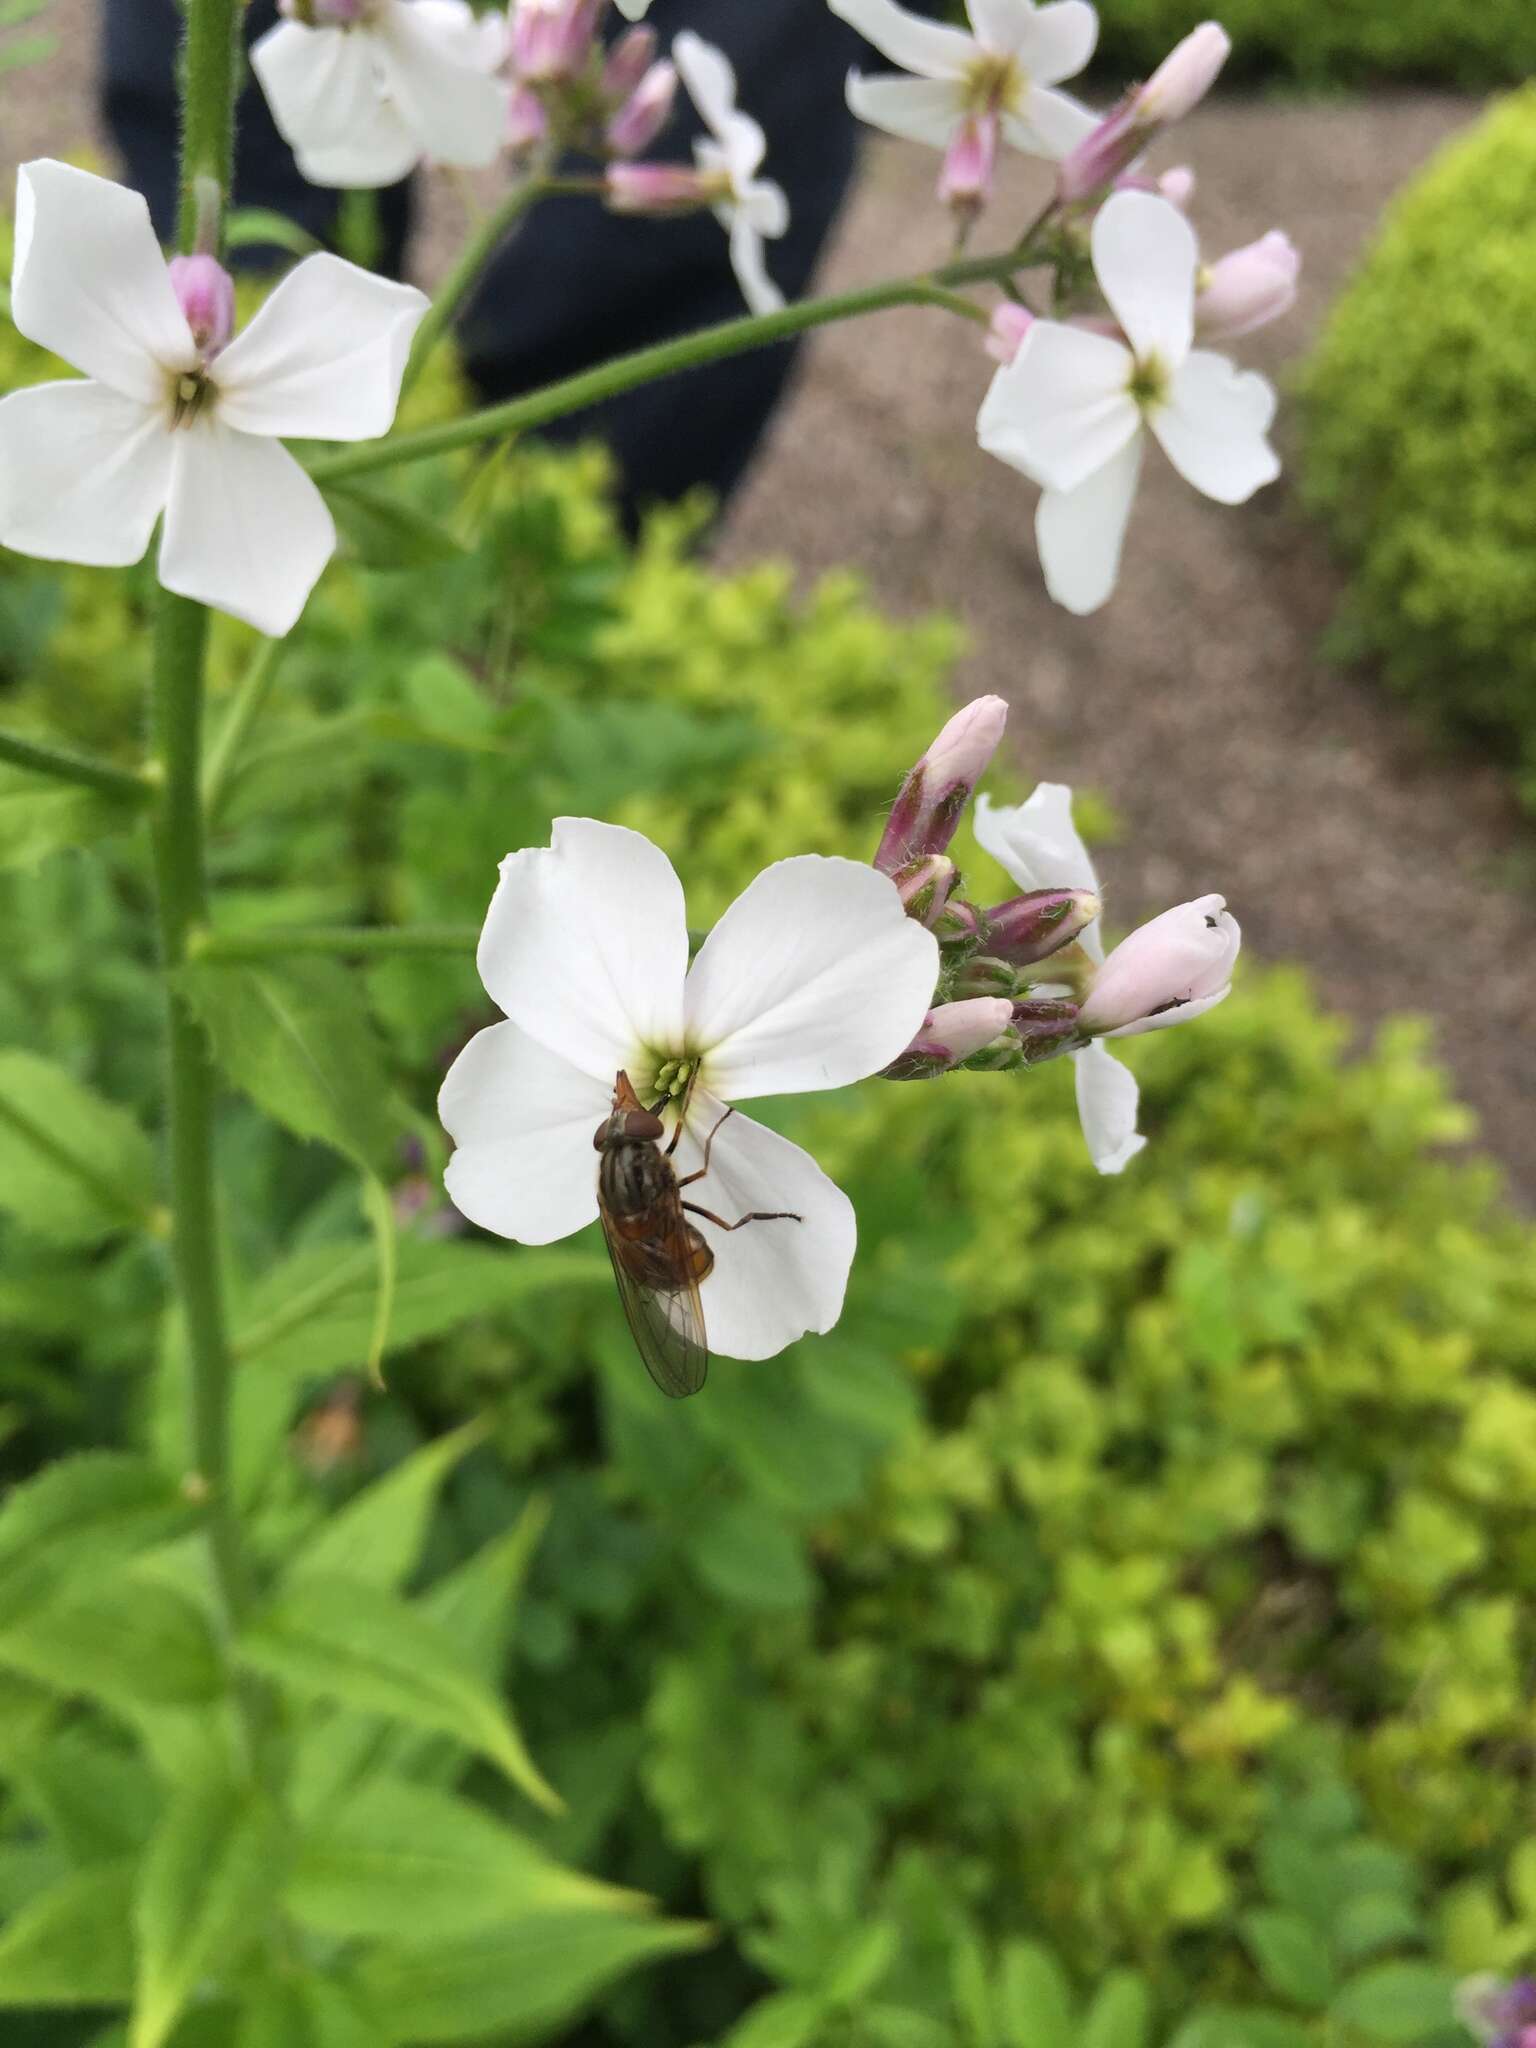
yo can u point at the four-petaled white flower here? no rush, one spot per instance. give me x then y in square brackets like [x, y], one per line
[168, 423]
[814, 978]
[1073, 408]
[1041, 848]
[363, 90]
[1005, 72]
[750, 208]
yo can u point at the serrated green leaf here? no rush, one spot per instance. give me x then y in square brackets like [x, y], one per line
[520, 1983]
[1120, 2013]
[100, 1506]
[1291, 1956]
[347, 1642]
[73, 1168]
[377, 1537]
[1034, 2002]
[124, 1640]
[209, 1878]
[1396, 2001]
[73, 1945]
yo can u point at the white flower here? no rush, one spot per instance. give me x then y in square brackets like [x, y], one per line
[814, 978]
[1073, 408]
[1171, 969]
[753, 208]
[1007, 68]
[1041, 848]
[165, 426]
[633, 10]
[376, 85]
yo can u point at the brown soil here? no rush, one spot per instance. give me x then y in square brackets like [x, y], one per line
[1197, 702]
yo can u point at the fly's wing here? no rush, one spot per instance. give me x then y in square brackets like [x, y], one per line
[667, 1323]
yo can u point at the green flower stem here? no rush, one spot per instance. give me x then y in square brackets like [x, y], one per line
[356, 942]
[127, 783]
[249, 702]
[211, 57]
[473, 257]
[666, 359]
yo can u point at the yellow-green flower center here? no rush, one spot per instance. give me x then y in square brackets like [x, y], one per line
[994, 84]
[1149, 383]
[189, 393]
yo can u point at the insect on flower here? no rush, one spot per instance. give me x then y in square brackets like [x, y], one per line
[659, 1257]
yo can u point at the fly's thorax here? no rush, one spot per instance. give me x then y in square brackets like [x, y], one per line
[634, 1180]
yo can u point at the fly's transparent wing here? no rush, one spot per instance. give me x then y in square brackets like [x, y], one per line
[666, 1321]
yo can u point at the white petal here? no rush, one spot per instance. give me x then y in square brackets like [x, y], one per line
[633, 10]
[586, 946]
[1107, 1099]
[813, 978]
[1001, 25]
[89, 281]
[478, 41]
[245, 529]
[379, 149]
[1214, 425]
[1050, 124]
[926, 47]
[323, 358]
[1062, 407]
[83, 473]
[766, 206]
[522, 1119]
[323, 89]
[1145, 257]
[1060, 41]
[436, 77]
[1080, 533]
[917, 109]
[1038, 844]
[1182, 1013]
[772, 1282]
[750, 265]
[710, 80]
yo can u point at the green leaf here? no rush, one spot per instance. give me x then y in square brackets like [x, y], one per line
[1397, 2001]
[405, 1862]
[790, 2019]
[248, 227]
[1292, 1957]
[377, 1537]
[1375, 1920]
[98, 1803]
[751, 1557]
[1034, 1999]
[308, 2012]
[99, 1507]
[383, 532]
[73, 1169]
[1120, 2015]
[298, 1042]
[208, 1882]
[344, 1641]
[1243, 2027]
[36, 823]
[520, 1983]
[127, 1641]
[72, 1946]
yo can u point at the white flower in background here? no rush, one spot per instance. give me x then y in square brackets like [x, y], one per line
[633, 10]
[1073, 408]
[362, 90]
[174, 417]
[751, 208]
[1001, 74]
[814, 978]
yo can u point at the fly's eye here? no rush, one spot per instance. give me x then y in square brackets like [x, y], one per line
[603, 1133]
[641, 1124]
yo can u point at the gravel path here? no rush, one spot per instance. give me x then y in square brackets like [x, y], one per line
[1197, 703]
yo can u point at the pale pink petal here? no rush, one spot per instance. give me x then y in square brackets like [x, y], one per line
[772, 1282]
[1213, 428]
[245, 529]
[323, 358]
[1081, 533]
[586, 947]
[1062, 408]
[83, 473]
[917, 109]
[435, 73]
[89, 281]
[1181, 1013]
[1107, 1101]
[523, 1121]
[1049, 124]
[1039, 846]
[926, 47]
[1145, 257]
[813, 978]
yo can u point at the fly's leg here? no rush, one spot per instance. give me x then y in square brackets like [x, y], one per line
[689, 1178]
[756, 1216]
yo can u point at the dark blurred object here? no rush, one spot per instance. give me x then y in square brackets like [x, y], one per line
[578, 285]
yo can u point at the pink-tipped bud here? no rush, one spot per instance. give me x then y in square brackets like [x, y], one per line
[1178, 187]
[1030, 928]
[952, 1033]
[628, 61]
[1185, 75]
[645, 113]
[1179, 83]
[658, 188]
[925, 886]
[206, 293]
[1166, 972]
[527, 120]
[1248, 288]
[965, 182]
[553, 39]
[1103, 155]
[932, 800]
[1006, 330]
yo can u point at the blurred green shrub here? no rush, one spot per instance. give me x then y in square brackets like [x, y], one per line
[1420, 423]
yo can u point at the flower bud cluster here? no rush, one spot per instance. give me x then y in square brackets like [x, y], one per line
[567, 91]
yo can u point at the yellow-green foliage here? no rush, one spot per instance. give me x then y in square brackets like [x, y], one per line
[1346, 42]
[1421, 437]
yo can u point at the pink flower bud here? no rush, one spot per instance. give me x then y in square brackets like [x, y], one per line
[1045, 1028]
[1179, 83]
[925, 886]
[527, 120]
[658, 188]
[1030, 928]
[645, 113]
[932, 800]
[1009, 324]
[206, 293]
[1185, 75]
[628, 61]
[1103, 154]
[1248, 288]
[553, 39]
[951, 1033]
[1178, 187]
[965, 182]
[1167, 971]
[959, 924]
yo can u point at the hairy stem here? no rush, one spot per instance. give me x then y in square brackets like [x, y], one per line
[210, 75]
[79, 769]
[280, 942]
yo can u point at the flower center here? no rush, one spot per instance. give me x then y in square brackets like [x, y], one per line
[191, 393]
[671, 1082]
[1149, 384]
[994, 84]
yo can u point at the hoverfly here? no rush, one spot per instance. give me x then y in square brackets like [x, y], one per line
[659, 1257]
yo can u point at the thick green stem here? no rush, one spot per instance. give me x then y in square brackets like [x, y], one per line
[348, 941]
[62, 766]
[472, 259]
